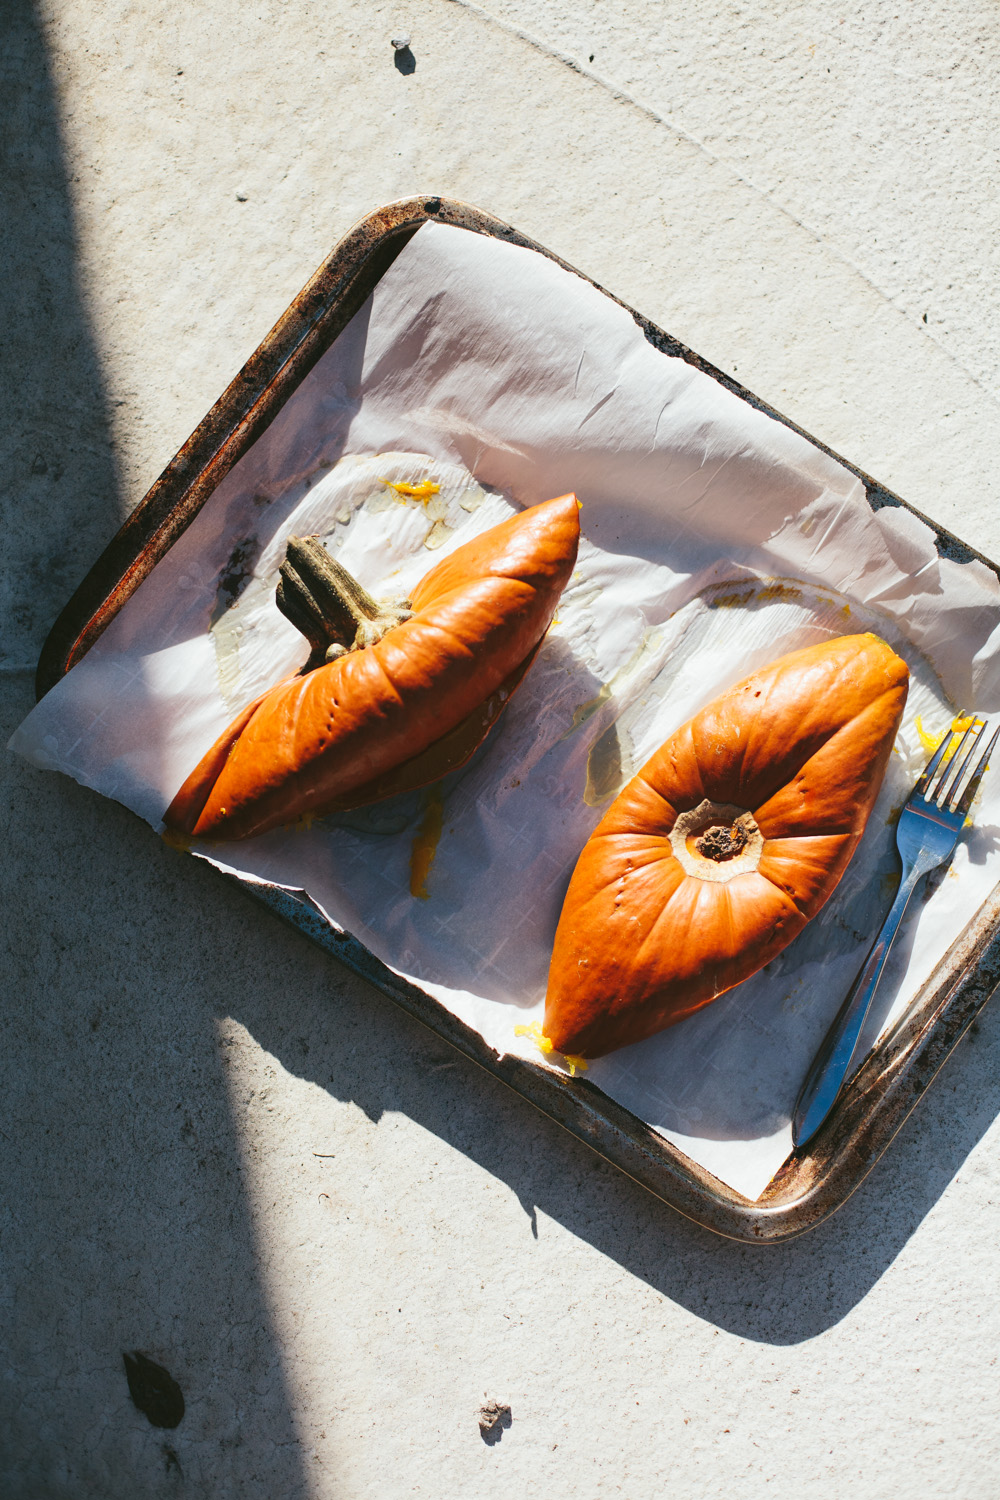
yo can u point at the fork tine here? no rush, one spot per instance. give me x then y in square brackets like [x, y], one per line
[932, 765]
[977, 776]
[959, 763]
[943, 771]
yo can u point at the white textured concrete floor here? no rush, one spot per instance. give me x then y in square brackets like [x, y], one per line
[220, 1148]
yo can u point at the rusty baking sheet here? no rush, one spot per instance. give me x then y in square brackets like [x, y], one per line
[812, 1183]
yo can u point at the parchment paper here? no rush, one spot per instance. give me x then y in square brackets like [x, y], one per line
[715, 540]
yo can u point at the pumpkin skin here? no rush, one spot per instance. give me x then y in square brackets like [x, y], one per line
[651, 931]
[341, 734]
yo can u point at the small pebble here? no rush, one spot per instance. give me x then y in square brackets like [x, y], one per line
[494, 1417]
[401, 40]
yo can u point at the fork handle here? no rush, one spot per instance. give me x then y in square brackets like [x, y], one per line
[832, 1062]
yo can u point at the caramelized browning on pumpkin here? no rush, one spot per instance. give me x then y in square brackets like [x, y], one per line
[726, 843]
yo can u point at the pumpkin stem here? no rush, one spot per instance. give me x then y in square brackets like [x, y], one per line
[328, 605]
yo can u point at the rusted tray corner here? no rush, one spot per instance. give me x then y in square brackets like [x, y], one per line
[812, 1184]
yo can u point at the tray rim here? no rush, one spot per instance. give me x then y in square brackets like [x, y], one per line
[812, 1184]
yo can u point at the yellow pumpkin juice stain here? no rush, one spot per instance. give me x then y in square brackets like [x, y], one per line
[425, 844]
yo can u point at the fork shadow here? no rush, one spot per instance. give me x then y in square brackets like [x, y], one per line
[780, 1294]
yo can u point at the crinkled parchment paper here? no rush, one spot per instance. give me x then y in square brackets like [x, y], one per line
[715, 540]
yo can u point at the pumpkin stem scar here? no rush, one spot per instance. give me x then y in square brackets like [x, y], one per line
[328, 605]
[717, 841]
[720, 842]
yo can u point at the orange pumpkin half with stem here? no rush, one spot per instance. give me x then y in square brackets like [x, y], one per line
[395, 693]
[727, 842]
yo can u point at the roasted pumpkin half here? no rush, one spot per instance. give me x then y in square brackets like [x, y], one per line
[395, 693]
[726, 843]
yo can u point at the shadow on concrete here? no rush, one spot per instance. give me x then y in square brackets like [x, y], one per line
[124, 1218]
[126, 1229]
[58, 481]
[781, 1294]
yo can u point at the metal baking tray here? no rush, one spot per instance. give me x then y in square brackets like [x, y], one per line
[813, 1182]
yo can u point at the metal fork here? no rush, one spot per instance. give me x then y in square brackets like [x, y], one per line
[927, 833]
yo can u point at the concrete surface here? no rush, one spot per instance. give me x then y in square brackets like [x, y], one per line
[219, 1148]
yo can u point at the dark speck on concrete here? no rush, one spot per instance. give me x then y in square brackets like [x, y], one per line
[494, 1416]
[154, 1390]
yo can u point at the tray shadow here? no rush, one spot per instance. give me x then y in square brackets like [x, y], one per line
[781, 1294]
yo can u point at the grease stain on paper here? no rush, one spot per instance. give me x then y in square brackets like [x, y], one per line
[225, 626]
[587, 710]
[427, 492]
[440, 530]
[766, 591]
[425, 844]
[605, 772]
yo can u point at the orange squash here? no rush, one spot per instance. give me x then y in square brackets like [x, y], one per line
[726, 843]
[401, 703]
